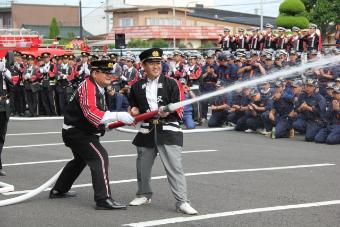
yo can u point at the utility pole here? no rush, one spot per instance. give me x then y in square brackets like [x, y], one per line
[80, 22]
[261, 7]
[107, 17]
[174, 21]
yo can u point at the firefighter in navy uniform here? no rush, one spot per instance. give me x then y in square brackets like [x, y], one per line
[161, 135]
[85, 120]
[5, 87]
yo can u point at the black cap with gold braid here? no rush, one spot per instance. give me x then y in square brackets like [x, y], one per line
[152, 54]
[102, 65]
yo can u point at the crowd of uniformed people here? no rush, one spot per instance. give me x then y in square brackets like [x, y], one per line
[307, 104]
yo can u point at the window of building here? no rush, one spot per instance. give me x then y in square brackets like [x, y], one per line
[1, 22]
[202, 23]
[190, 23]
[126, 22]
[162, 21]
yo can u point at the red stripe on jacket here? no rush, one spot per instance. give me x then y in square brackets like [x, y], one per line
[179, 111]
[87, 101]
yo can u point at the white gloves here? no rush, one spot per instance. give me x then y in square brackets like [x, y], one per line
[124, 117]
[2, 66]
[8, 74]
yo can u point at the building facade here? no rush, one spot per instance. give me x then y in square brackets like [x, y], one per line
[191, 27]
[39, 17]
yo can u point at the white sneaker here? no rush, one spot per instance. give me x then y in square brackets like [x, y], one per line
[249, 131]
[140, 201]
[185, 208]
[264, 132]
[231, 124]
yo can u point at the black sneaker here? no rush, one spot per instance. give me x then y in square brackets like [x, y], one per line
[54, 194]
[110, 204]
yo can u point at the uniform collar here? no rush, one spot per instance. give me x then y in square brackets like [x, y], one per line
[154, 80]
[101, 89]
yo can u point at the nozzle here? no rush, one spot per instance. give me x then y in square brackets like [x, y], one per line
[165, 108]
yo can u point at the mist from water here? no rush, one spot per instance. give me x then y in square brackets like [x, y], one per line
[285, 73]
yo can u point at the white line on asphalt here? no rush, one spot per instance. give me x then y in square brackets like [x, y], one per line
[111, 156]
[57, 144]
[196, 174]
[231, 213]
[35, 118]
[32, 133]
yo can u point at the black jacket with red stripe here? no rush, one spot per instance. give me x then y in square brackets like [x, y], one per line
[168, 132]
[86, 108]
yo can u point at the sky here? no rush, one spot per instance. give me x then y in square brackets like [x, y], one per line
[270, 7]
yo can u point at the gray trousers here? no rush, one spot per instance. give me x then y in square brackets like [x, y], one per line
[171, 158]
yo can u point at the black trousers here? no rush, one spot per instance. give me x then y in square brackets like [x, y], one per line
[64, 95]
[19, 99]
[32, 101]
[3, 131]
[48, 100]
[86, 150]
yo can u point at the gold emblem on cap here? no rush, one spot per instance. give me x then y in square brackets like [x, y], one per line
[110, 65]
[155, 53]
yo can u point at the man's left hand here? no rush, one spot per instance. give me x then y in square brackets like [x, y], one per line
[161, 113]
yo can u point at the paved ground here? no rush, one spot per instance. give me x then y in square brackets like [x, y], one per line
[229, 174]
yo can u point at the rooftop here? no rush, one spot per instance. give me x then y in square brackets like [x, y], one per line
[229, 16]
[208, 13]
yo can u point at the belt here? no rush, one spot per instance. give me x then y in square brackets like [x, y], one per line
[66, 127]
[157, 121]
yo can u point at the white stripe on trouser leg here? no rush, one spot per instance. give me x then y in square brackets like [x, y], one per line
[103, 168]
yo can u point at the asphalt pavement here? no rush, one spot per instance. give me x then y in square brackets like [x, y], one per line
[234, 179]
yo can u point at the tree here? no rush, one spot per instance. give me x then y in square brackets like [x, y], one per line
[138, 43]
[160, 43]
[324, 13]
[54, 28]
[292, 13]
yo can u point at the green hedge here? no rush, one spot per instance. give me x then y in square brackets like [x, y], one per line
[292, 7]
[291, 21]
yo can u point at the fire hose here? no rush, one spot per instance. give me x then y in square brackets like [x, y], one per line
[48, 183]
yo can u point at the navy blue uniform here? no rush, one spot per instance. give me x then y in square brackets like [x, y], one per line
[330, 134]
[310, 121]
[218, 117]
[283, 107]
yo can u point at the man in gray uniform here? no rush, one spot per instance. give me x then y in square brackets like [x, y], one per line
[162, 134]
